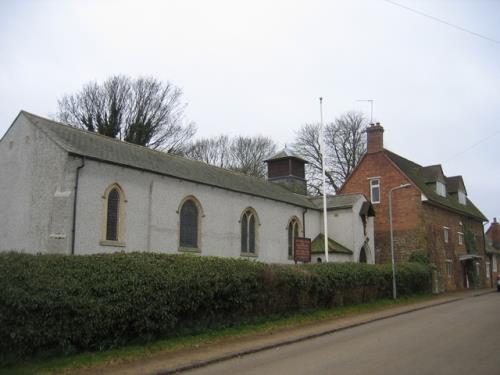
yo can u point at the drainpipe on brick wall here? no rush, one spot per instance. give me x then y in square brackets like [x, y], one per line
[77, 178]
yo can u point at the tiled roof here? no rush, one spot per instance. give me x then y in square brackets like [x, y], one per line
[420, 177]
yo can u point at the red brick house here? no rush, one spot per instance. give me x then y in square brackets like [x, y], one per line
[433, 214]
[493, 248]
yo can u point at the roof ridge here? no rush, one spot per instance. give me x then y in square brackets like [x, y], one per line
[158, 152]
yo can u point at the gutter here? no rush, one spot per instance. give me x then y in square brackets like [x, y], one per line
[77, 178]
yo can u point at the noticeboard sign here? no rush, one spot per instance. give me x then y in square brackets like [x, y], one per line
[302, 247]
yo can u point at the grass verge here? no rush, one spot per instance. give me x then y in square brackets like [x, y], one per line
[256, 326]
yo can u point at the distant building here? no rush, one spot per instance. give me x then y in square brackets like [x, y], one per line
[434, 214]
[493, 248]
[69, 191]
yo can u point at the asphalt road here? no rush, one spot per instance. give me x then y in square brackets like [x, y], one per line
[457, 338]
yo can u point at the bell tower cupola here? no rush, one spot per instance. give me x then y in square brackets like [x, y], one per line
[288, 169]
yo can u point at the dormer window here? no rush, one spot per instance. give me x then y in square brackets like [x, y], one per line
[440, 189]
[462, 198]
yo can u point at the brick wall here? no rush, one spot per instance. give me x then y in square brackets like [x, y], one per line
[417, 225]
[440, 252]
[406, 207]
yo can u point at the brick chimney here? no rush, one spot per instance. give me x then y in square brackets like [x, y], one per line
[374, 138]
[493, 233]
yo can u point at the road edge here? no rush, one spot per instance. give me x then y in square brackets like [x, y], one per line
[257, 349]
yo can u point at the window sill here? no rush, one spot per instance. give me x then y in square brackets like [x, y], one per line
[112, 243]
[250, 255]
[189, 250]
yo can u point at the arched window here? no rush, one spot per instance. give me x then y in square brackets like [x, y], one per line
[249, 231]
[189, 224]
[113, 215]
[362, 255]
[293, 232]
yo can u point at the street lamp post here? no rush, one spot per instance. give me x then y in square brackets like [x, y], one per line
[394, 293]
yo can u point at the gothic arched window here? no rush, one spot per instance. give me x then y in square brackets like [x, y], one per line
[293, 232]
[189, 224]
[249, 231]
[113, 215]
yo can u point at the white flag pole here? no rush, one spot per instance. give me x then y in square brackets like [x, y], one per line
[322, 150]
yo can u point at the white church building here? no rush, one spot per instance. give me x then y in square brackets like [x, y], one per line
[69, 191]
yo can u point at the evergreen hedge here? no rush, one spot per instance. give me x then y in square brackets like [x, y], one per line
[58, 304]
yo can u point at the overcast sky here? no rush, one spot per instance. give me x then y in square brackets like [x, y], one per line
[258, 67]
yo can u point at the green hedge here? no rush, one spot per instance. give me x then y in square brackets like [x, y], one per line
[53, 304]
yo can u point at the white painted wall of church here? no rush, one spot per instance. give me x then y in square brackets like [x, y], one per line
[31, 168]
[220, 227]
[37, 194]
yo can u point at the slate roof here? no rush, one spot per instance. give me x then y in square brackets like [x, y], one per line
[420, 177]
[318, 246]
[336, 201]
[95, 146]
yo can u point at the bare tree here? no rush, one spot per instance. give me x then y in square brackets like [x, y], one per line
[143, 111]
[214, 151]
[248, 154]
[345, 144]
[242, 154]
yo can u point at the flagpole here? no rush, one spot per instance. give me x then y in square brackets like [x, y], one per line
[322, 149]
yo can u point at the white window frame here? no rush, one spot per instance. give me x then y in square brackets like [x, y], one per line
[446, 234]
[449, 267]
[440, 189]
[460, 238]
[372, 186]
[488, 274]
[462, 198]
[494, 260]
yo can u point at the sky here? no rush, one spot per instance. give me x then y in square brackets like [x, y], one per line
[259, 67]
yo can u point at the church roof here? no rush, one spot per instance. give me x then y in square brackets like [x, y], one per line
[98, 147]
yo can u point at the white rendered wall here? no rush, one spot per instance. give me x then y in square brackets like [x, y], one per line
[346, 227]
[31, 171]
[155, 226]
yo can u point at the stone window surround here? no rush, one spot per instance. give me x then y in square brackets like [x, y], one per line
[293, 220]
[121, 217]
[200, 216]
[252, 211]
